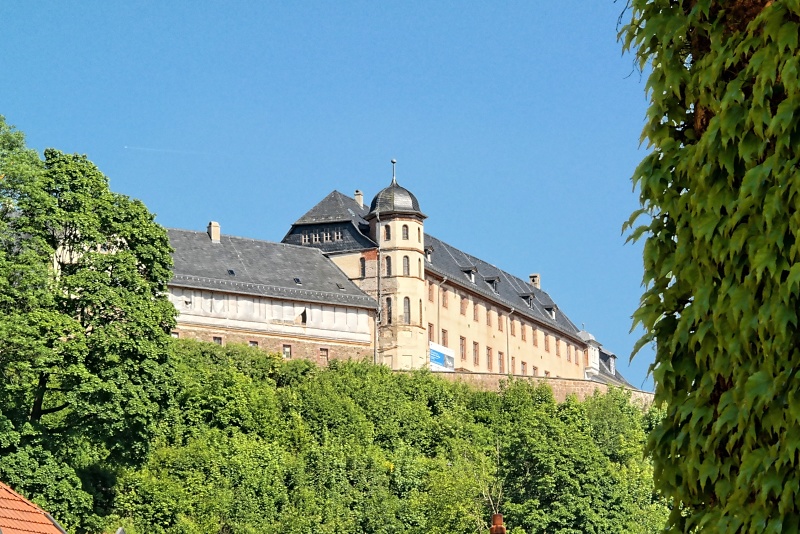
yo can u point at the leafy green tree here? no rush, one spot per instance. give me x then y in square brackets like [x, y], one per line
[84, 318]
[720, 192]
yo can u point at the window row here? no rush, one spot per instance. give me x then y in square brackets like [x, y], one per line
[387, 233]
[309, 237]
[387, 267]
[388, 314]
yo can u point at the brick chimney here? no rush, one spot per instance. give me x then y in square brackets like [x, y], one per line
[536, 280]
[359, 196]
[213, 231]
[497, 525]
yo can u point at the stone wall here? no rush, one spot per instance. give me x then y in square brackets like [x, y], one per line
[308, 349]
[562, 387]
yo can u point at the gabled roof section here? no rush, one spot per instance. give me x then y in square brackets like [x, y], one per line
[335, 207]
[18, 515]
[607, 375]
[496, 285]
[263, 268]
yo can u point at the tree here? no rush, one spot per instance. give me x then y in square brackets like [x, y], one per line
[720, 191]
[84, 316]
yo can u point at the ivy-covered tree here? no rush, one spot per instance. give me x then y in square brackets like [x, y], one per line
[721, 194]
[84, 323]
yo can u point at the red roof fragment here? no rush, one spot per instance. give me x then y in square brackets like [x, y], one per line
[18, 515]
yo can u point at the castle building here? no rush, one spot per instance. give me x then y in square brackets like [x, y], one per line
[355, 281]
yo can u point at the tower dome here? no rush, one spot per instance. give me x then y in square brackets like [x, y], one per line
[394, 200]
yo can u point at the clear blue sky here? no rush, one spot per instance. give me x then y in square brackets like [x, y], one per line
[516, 124]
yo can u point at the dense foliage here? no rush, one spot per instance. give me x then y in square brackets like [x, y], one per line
[84, 325]
[721, 190]
[252, 443]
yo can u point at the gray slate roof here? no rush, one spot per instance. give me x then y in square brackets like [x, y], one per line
[395, 199]
[335, 207]
[261, 268]
[511, 291]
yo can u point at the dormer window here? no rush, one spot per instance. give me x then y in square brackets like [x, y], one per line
[297, 281]
[551, 311]
[492, 281]
[469, 272]
[428, 254]
[528, 298]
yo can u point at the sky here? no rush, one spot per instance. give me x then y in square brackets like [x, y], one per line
[515, 124]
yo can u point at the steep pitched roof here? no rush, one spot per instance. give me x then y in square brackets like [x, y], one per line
[18, 515]
[495, 284]
[335, 207]
[253, 267]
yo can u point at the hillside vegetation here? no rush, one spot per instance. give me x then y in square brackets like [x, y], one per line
[251, 443]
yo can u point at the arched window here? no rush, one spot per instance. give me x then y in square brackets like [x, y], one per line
[387, 232]
[405, 231]
[419, 235]
[388, 266]
[407, 310]
[420, 317]
[406, 266]
[419, 268]
[363, 263]
[388, 311]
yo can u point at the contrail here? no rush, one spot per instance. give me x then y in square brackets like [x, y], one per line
[163, 150]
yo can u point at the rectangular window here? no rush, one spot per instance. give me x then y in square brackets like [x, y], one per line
[217, 340]
[501, 362]
[535, 336]
[475, 354]
[489, 358]
[337, 235]
[323, 355]
[523, 367]
[513, 366]
[535, 371]
[305, 239]
[488, 317]
[315, 237]
[253, 343]
[444, 298]
[462, 345]
[326, 236]
[463, 305]
[175, 334]
[430, 291]
[569, 353]
[546, 342]
[430, 332]
[524, 332]
[558, 347]
[475, 311]
[500, 321]
[287, 351]
[444, 338]
[511, 327]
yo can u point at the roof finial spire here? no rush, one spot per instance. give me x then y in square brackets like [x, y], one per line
[394, 179]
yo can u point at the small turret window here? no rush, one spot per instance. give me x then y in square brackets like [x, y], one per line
[388, 266]
[387, 232]
[406, 266]
[405, 231]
